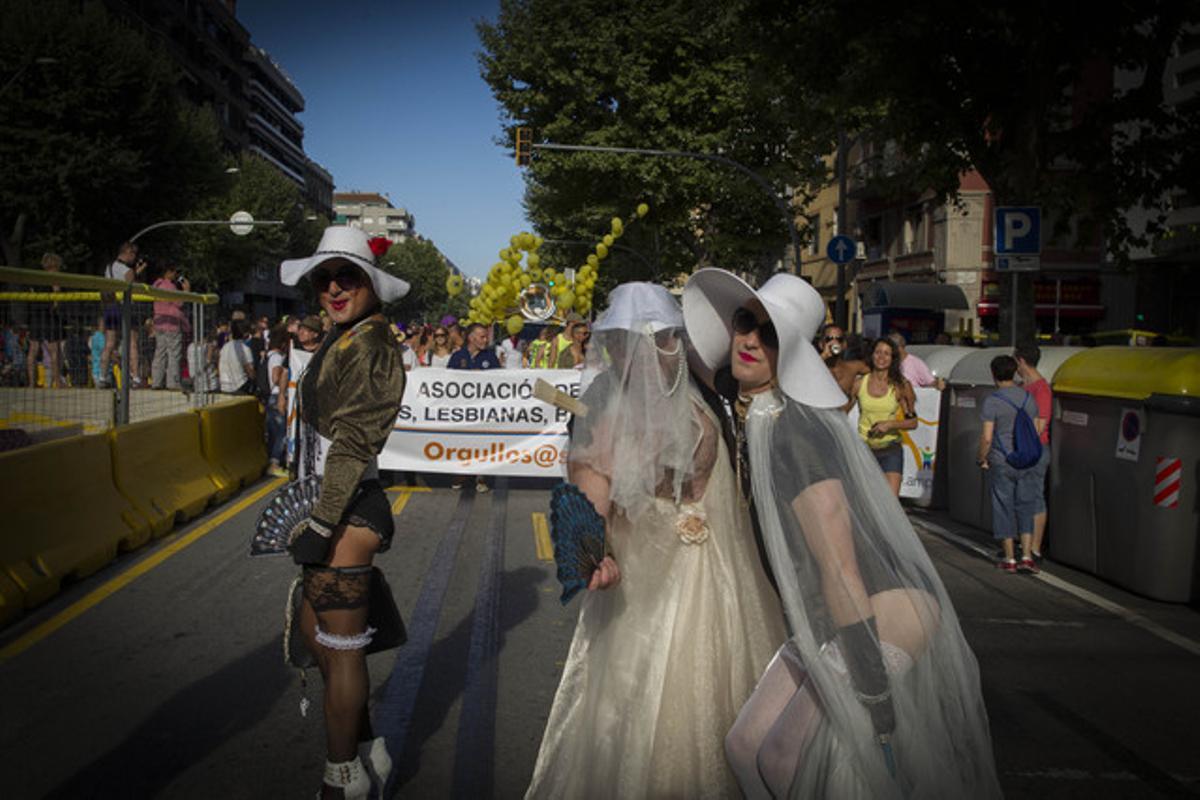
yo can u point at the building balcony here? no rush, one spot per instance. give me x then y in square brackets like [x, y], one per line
[261, 124]
[259, 91]
[286, 169]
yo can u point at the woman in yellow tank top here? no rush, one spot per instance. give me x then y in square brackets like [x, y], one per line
[886, 406]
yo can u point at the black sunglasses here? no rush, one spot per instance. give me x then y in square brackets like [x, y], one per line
[835, 338]
[744, 322]
[348, 277]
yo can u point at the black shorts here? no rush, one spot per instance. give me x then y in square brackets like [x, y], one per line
[369, 508]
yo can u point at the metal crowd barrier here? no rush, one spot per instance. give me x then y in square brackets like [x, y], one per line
[55, 378]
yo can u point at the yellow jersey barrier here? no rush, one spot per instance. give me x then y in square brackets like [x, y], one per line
[232, 442]
[158, 465]
[68, 521]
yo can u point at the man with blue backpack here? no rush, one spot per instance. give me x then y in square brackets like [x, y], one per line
[1009, 450]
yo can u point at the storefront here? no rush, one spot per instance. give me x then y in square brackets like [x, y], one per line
[1068, 304]
[918, 310]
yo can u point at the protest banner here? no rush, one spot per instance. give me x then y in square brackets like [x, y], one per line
[484, 422]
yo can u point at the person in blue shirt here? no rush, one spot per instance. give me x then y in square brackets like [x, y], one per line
[475, 354]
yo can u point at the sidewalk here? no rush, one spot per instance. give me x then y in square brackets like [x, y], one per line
[1173, 622]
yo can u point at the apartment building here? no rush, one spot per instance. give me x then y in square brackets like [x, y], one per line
[374, 213]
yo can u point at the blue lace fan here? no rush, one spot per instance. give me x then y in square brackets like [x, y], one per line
[285, 515]
[578, 535]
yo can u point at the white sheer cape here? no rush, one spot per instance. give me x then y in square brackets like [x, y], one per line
[843, 552]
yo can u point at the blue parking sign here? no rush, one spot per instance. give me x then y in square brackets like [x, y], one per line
[1018, 231]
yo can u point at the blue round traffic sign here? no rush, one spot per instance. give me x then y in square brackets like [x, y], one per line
[841, 249]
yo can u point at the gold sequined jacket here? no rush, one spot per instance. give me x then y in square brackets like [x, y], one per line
[359, 391]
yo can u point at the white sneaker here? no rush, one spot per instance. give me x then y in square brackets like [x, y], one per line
[376, 761]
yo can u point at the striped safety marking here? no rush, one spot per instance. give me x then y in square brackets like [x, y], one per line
[1168, 479]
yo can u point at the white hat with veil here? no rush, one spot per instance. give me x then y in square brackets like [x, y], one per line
[639, 431]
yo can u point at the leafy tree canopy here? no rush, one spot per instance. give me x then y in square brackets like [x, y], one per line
[666, 75]
[1058, 105]
[420, 263]
[213, 256]
[95, 145]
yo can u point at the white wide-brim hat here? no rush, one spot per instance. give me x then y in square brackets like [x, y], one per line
[639, 306]
[341, 242]
[712, 295]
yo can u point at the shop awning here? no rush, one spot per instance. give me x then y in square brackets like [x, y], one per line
[928, 296]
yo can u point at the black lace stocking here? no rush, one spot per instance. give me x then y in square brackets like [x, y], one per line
[337, 598]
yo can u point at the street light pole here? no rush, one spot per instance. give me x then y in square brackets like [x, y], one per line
[170, 222]
[789, 221]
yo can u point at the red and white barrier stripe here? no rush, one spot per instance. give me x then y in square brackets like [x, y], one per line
[1168, 478]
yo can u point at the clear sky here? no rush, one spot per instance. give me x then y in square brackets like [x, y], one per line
[394, 103]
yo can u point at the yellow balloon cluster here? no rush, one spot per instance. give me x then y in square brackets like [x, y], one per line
[499, 299]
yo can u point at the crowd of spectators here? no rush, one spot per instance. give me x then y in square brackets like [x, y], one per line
[547, 346]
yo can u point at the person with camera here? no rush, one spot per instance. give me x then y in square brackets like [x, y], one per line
[170, 325]
[127, 267]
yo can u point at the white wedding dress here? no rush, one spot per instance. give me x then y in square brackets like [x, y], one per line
[661, 663]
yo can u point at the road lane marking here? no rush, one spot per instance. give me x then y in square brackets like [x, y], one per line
[97, 595]
[394, 712]
[474, 752]
[961, 541]
[541, 537]
[1032, 623]
[1129, 615]
[1118, 610]
[406, 493]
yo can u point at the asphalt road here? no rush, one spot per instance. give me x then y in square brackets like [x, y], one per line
[162, 675]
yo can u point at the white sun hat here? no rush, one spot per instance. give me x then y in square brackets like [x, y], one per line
[796, 309]
[636, 306]
[341, 242]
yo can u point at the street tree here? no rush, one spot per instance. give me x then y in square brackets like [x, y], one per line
[418, 262]
[213, 256]
[95, 142]
[1056, 105]
[665, 75]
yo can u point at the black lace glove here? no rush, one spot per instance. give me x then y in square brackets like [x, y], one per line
[311, 545]
[868, 675]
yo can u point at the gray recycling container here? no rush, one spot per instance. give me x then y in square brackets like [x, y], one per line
[941, 359]
[1125, 444]
[970, 382]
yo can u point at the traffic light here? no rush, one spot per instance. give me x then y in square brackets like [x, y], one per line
[524, 146]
